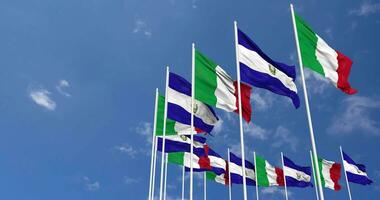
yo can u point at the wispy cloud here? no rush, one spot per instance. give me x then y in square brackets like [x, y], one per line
[62, 85]
[146, 130]
[42, 98]
[256, 131]
[261, 101]
[91, 185]
[194, 4]
[356, 114]
[218, 127]
[316, 83]
[274, 190]
[142, 28]
[366, 8]
[130, 180]
[283, 136]
[127, 149]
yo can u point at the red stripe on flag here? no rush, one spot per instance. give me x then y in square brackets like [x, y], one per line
[245, 99]
[335, 175]
[226, 175]
[204, 161]
[344, 68]
[280, 176]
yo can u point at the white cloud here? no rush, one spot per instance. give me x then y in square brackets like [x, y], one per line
[366, 8]
[255, 131]
[316, 83]
[274, 190]
[218, 127]
[91, 185]
[127, 149]
[355, 115]
[62, 84]
[129, 180]
[194, 4]
[262, 100]
[146, 130]
[283, 137]
[142, 27]
[41, 97]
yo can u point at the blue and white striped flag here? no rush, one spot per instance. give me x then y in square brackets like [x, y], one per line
[356, 173]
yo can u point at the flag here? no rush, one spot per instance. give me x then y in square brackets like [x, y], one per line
[222, 178]
[211, 160]
[215, 87]
[295, 175]
[172, 127]
[356, 173]
[267, 175]
[257, 69]
[177, 143]
[330, 174]
[236, 170]
[179, 105]
[318, 56]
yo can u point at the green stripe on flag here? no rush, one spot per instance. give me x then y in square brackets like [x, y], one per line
[160, 119]
[320, 166]
[205, 79]
[176, 158]
[308, 44]
[211, 176]
[262, 176]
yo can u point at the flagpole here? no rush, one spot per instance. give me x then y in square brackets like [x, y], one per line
[345, 173]
[183, 182]
[192, 117]
[229, 176]
[315, 179]
[154, 167]
[153, 144]
[257, 181]
[286, 189]
[204, 186]
[163, 134]
[240, 112]
[314, 148]
[166, 174]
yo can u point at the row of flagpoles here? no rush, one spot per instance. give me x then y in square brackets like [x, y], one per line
[286, 88]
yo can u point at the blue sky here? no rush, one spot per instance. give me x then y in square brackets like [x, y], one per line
[77, 88]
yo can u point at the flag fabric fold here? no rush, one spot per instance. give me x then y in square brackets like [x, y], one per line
[215, 87]
[236, 171]
[259, 70]
[356, 173]
[318, 56]
[222, 178]
[267, 175]
[179, 105]
[295, 175]
[330, 174]
[178, 143]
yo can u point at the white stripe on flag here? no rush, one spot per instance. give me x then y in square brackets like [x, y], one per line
[298, 175]
[328, 58]
[236, 169]
[225, 98]
[257, 63]
[353, 169]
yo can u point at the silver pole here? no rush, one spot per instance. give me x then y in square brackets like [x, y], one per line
[345, 173]
[283, 168]
[192, 117]
[152, 160]
[315, 178]
[229, 176]
[257, 181]
[314, 148]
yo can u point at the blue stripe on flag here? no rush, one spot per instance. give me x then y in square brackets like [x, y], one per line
[362, 180]
[292, 182]
[235, 159]
[176, 146]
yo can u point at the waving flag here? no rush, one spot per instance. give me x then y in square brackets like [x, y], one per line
[330, 174]
[257, 69]
[177, 143]
[318, 56]
[267, 175]
[172, 127]
[179, 105]
[215, 87]
[356, 173]
[211, 160]
[236, 170]
[295, 175]
[222, 178]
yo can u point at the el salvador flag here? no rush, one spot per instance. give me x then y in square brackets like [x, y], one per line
[356, 173]
[179, 105]
[236, 169]
[257, 69]
[180, 143]
[296, 176]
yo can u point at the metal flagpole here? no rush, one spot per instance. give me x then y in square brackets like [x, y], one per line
[257, 181]
[240, 112]
[314, 148]
[163, 133]
[229, 176]
[183, 182]
[345, 173]
[166, 174]
[286, 189]
[315, 178]
[153, 145]
[154, 167]
[204, 186]
[192, 117]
